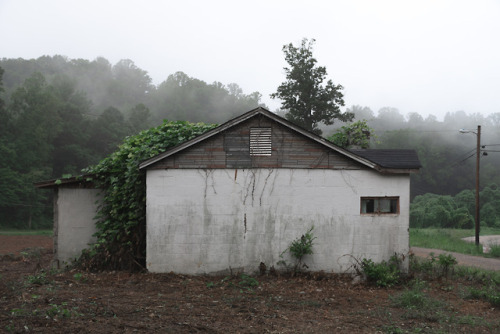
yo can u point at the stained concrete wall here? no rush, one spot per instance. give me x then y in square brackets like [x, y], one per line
[74, 225]
[209, 221]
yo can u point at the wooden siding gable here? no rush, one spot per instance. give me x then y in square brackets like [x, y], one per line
[231, 149]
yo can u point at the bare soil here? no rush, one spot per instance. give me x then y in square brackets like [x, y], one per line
[35, 299]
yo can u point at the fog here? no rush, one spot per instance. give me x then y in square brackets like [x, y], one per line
[431, 57]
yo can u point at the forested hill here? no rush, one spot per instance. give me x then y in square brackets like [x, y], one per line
[59, 115]
[124, 86]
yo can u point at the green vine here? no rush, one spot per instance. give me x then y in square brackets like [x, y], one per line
[121, 219]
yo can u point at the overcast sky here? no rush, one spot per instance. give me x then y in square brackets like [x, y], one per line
[425, 56]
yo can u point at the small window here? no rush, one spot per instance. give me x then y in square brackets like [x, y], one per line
[260, 141]
[379, 205]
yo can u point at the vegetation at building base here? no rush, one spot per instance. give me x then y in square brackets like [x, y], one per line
[299, 248]
[383, 274]
[121, 218]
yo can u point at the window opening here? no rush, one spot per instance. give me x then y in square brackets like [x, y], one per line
[260, 141]
[379, 205]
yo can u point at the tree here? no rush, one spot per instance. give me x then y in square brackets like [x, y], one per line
[354, 135]
[307, 101]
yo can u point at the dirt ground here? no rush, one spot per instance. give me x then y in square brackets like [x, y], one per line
[37, 299]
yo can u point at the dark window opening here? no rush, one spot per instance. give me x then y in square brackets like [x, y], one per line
[379, 205]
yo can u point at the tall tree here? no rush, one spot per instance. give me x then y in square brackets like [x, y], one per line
[303, 94]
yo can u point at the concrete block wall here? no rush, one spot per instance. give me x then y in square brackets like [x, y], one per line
[74, 224]
[208, 221]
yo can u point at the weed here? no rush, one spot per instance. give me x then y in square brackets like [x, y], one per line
[18, 312]
[383, 274]
[248, 282]
[441, 266]
[489, 294]
[418, 304]
[446, 262]
[61, 310]
[38, 279]
[494, 251]
[79, 277]
[299, 248]
[393, 329]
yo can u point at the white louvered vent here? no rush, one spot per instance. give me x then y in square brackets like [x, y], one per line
[260, 141]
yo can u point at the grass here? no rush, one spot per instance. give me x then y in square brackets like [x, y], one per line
[450, 240]
[26, 232]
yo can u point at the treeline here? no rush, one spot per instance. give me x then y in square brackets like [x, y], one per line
[445, 211]
[443, 191]
[59, 115]
[124, 86]
[448, 157]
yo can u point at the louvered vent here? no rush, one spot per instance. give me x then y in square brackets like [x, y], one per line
[260, 141]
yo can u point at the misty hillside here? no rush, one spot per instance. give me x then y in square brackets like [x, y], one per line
[124, 86]
[59, 115]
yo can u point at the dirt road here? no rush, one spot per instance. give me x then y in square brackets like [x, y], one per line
[462, 259]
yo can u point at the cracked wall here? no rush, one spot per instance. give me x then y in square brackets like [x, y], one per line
[203, 221]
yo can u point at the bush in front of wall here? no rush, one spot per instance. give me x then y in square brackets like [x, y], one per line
[299, 248]
[383, 274]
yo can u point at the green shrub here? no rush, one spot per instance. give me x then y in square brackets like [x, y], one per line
[446, 263]
[383, 274]
[299, 248]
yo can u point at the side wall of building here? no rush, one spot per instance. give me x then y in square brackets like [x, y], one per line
[74, 225]
[203, 221]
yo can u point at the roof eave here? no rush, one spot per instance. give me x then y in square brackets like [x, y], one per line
[54, 183]
[385, 170]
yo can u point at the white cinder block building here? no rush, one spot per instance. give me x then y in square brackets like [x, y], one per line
[239, 194]
[75, 206]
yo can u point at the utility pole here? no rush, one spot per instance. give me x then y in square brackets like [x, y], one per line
[478, 158]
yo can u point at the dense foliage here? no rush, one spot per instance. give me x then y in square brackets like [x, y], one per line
[354, 135]
[304, 97]
[445, 211]
[60, 115]
[121, 219]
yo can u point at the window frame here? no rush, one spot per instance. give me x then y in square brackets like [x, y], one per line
[377, 208]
